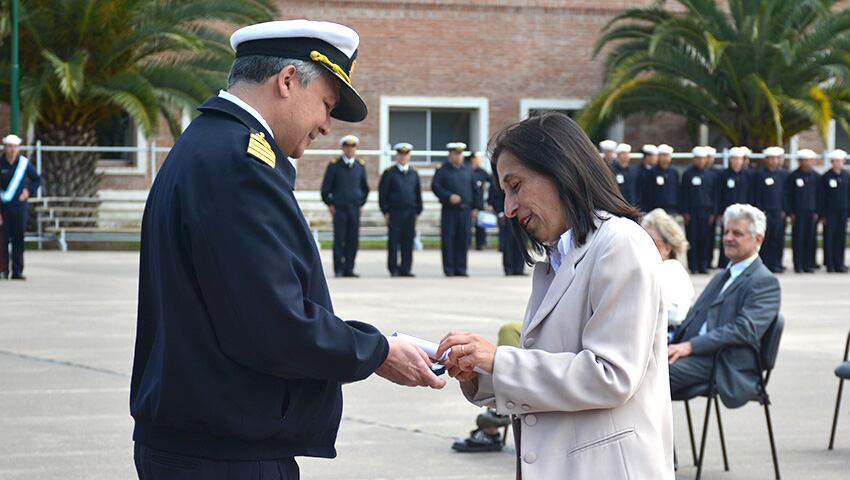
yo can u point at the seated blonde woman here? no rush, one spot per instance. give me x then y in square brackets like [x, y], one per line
[677, 291]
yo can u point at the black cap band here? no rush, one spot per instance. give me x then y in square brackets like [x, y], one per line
[298, 48]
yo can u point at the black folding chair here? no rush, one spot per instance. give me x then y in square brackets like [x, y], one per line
[766, 360]
[843, 373]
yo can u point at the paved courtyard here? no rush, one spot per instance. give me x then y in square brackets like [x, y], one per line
[66, 346]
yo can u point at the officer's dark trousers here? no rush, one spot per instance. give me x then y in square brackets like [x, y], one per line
[835, 239]
[480, 237]
[774, 241]
[14, 224]
[346, 237]
[154, 464]
[454, 239]
[402, 231]
[699, 236]
[512, 258]
[712, 244]
[803, 240]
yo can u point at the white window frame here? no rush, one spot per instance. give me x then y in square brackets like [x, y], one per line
[479, 130]
[141, 155]
[526, 105]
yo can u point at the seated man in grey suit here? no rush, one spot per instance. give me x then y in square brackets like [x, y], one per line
[735, 309]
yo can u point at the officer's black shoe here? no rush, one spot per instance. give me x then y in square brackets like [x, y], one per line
[449, 274]
[464, 274]
[407, 274]
[841, 270]
[479, 441]
[4, 275]
[18, 277]
[394, 274]
[809, 270]
[798, 270]
[350, 275]
[337, 274]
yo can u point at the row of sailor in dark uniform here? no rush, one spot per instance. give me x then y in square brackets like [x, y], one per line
[460, 187]
[803, 196]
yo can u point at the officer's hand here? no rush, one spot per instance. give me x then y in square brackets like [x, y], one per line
[793, 218]
[686, 217]
[455, 199]
[387, 218]
[25, 194]
[332, 209]
[712, 219]
[408, 365]
[468, 351]
[473, 214]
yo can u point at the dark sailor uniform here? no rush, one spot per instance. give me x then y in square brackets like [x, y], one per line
[345, 187]
[513, 260]
[482, 180]
[769, 196]
[238, 355]
[14, 178]
[400, 197]
[698, 199]
[455, 219]
[732, 187]
[802, 192]
[834, 206]
[627, 179]
[662, 190]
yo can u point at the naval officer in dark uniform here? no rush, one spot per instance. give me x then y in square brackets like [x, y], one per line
[663, 184]
[626, 175]
[513, 261]
[482, 181]
[733, 186]
[19, 180]
[400, 199]
[646, 176]
[455, 186]
[698, 204]
[239, 357]
[769, 197]
[802, 191]
[834, 206]
[345, 190]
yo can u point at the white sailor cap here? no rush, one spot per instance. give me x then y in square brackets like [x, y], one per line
[699, 152]
[806, 154]
[11, 139]
[838, 154]
[710, 151]
[349, 141]
[774, 152]
[456, 146]
[737, 152]
[746, 151]
[649, 149]
[624, 147]
[331, 45]
[403, 147]
[664, 148]
[608, 145]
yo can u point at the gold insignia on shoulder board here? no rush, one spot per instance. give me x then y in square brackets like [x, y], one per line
[259, 148]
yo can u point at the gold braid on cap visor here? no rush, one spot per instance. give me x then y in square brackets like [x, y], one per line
[318, 57]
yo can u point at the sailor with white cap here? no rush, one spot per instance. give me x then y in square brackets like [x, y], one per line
[345, 189]
[646, 177]
[19, 180]
[769, 196]
[239, 357]
[833, 210]
[456, 187]
[734, 185]
[802, 197]
[608, 149]
[626, 175]
[400, 199]
[663, 189]
[697, 204]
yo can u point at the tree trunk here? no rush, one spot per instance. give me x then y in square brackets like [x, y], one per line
[69, 174]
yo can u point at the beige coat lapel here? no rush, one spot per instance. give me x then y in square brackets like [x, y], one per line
[561, 282]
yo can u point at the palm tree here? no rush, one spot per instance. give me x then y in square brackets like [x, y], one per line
[760, 71]
[84, 62]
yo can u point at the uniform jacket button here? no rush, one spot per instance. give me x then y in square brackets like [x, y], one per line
[529, 342]
[511, 405]
[530, 419]
[529, 457]
[526, 407]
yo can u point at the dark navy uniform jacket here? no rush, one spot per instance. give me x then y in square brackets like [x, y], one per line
[802, 191]
[769, 190]
[344, 185]
[662, 189]
[482, 182]
[399, 190]
[835, 191]
[698, 190]
[733, 187]
[450, 180]
[627, 180]
[239, 355]
[30, 180]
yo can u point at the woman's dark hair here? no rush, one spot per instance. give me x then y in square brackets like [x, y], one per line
[554, 145]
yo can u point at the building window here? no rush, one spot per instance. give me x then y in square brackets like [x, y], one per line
[429, 123]
[531, 107]
[431, 129]
[116, 131]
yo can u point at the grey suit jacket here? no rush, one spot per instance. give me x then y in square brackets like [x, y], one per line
[739, 316]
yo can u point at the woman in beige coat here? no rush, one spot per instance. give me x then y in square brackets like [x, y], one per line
[588, 385]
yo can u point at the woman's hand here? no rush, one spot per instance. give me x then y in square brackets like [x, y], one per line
[468, 351]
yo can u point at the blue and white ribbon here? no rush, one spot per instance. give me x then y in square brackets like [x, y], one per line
[7, 195]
